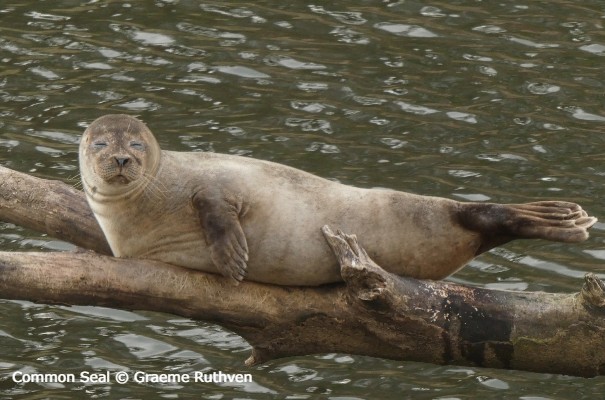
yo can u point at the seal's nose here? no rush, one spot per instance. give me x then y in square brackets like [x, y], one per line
[122, 161]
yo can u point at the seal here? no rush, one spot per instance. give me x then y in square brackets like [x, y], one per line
[243, 217]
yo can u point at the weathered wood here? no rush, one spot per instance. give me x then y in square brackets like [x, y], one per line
[535, 331]
[373, 313]
[51, 207]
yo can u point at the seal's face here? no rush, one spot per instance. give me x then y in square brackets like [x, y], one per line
[116, 151]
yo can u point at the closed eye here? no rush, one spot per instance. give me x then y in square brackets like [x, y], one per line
[99, 144]
[137, 145]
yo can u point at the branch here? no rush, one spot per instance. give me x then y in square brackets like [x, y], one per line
[534, 331]
[51, 207]
[374, 313]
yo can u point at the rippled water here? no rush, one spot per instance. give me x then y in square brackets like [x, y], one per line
[484, 101]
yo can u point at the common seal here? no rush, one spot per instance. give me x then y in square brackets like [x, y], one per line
[243, 217]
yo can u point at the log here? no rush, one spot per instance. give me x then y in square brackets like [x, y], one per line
[372, 313]
[50, 207]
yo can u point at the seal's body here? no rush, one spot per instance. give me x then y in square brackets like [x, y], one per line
[246, 217]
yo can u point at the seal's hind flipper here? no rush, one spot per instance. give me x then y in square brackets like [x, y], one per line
[219, 214]
[558, 221]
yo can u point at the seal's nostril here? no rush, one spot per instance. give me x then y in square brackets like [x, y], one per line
[122, 161]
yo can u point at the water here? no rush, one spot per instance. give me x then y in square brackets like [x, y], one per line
[485, 101]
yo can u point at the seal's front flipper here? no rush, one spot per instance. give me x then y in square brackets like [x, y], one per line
[558, 221]
[219, 214]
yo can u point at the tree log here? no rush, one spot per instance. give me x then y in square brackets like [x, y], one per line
[50, 207]
[372, 313]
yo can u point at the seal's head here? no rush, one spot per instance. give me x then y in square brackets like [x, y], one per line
[117, 154]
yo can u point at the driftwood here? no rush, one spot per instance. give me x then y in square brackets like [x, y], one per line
[372, 313]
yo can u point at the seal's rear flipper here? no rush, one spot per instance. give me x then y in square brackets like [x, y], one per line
[558, 221]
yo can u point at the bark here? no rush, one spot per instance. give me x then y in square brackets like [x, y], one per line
[372, 313]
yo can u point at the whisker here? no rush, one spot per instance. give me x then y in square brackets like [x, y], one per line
[154, 188]
[76, 181]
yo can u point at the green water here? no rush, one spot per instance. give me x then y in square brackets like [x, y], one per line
[485, 101]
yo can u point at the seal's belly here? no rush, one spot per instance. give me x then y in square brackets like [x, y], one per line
[406, 235]
[186, 250]
[174, 238]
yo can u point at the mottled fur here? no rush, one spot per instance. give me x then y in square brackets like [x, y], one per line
[245, 217]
